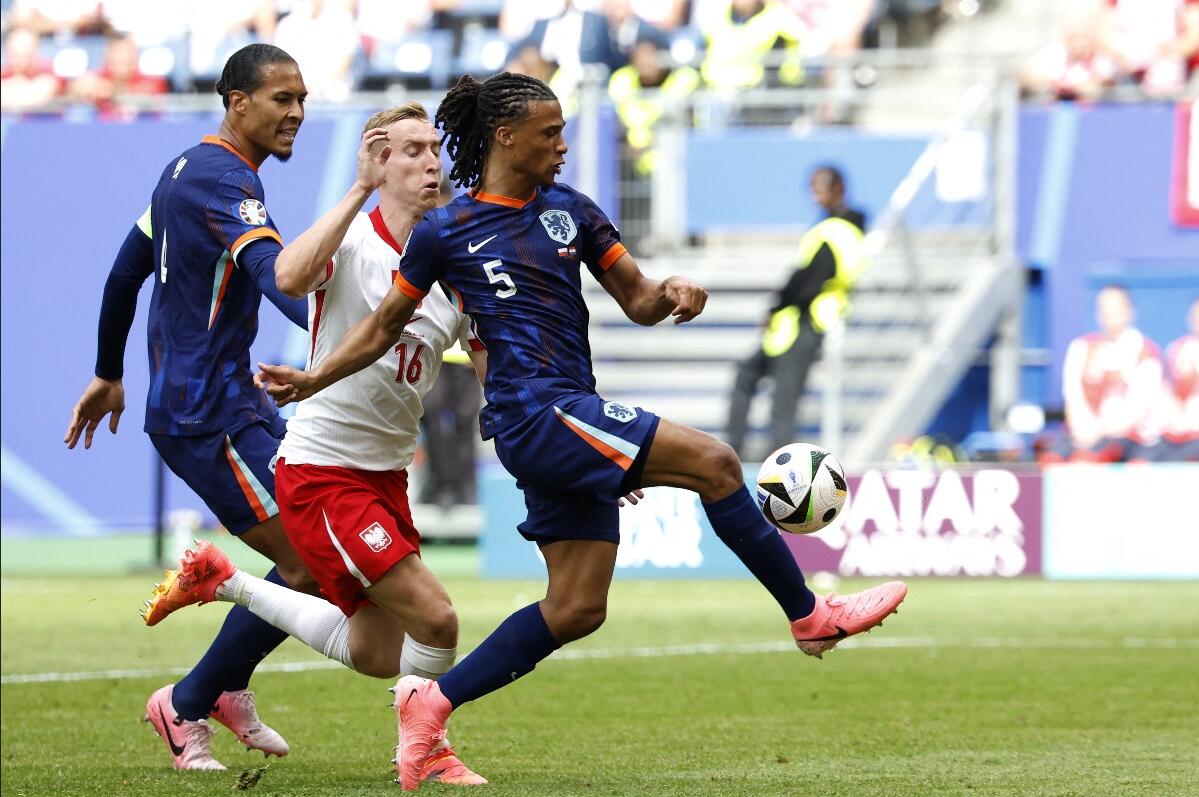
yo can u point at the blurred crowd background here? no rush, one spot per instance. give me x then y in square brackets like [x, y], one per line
[110, 54]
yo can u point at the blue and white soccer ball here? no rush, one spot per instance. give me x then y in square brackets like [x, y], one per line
[801, 488]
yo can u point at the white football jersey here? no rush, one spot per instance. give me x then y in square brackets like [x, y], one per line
[370, 420]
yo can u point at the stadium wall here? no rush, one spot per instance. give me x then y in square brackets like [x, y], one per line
[973, 522]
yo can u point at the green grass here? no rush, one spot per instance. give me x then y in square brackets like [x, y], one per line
[991, 688]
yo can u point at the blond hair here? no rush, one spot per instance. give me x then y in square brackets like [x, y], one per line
[389, 116]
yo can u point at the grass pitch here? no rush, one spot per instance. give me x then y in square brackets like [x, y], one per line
[975, 688]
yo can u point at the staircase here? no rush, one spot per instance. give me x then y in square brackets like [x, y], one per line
[938, 286]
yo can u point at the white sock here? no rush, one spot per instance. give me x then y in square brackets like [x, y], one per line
[317, 623]
[425, 661]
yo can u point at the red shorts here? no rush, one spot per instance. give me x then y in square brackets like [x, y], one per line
[349, 526]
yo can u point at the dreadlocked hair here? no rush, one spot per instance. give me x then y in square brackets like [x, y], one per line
[471, 112]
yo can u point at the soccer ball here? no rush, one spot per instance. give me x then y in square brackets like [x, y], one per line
[801, 488]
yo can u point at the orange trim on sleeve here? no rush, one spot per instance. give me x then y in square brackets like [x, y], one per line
[408, 289]
[506, 201]
[616, 252]
[220, 142]
[250, 235]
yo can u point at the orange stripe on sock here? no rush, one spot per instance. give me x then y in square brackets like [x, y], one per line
[622, 460]
[247, 490]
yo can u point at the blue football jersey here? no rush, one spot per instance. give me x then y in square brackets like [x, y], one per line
[515, 268]
[209, 203]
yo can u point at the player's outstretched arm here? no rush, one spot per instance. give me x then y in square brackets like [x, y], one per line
[366, 342]
[106, 393]
[646, 301]
[300, 267]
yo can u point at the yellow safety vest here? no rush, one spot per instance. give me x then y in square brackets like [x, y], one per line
[848, 245]
[735, 51]
[640, 113]
[455, 355]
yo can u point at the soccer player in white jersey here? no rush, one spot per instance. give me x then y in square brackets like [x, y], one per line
[341, 483]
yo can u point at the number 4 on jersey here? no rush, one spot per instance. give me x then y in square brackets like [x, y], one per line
[503, 279]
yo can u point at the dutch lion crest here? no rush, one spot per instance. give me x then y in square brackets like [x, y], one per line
[559, 225]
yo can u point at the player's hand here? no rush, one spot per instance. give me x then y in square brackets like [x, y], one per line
[102, 396]
[372, 158]
[687, 297]
[632, 498]
[284, 384]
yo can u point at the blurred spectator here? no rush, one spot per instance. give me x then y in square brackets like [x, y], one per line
[740, 38]
[832, 255]
[1112, 387]
[833, 30]
[322, 37]
[149, 22]
[218, 28]
[1154, 41]
[665, 15]
[27, 82]
[64, 18]
[529, 61]
[518, 17]
[641, 93]
[564, 83]
[573, 39]
[1182, 425]
[832, 27]
[117, 80]
[388, 20]
[628, 29]
[1074, 67]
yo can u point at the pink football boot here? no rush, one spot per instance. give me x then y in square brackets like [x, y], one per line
[444, 766]
[839, 616]
[188, 740]
[421, 712]
[237, 712]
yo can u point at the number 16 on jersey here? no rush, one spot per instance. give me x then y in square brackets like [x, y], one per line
[499, 277]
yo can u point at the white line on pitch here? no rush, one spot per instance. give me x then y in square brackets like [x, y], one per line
[711, 649]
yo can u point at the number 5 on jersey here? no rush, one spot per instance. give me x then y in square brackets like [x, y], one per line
[498, 276]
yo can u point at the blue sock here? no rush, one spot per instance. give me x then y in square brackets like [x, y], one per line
[511, 651]
[243, 641]
[739, 525]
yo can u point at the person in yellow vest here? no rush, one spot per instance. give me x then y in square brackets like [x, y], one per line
[740, 38]
[832, 255]
[639, 106]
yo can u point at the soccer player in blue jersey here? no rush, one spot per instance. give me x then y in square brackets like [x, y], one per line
[210, 245]
[511, 248]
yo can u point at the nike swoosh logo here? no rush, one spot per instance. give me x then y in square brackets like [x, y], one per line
[166, 728]
[841, 634]
[472, 248]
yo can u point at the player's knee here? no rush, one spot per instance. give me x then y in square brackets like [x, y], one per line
[721, 471]
[581, 619]
[443, 626]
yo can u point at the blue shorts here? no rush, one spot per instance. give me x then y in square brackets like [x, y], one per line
[229, 470]
[573, 460]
